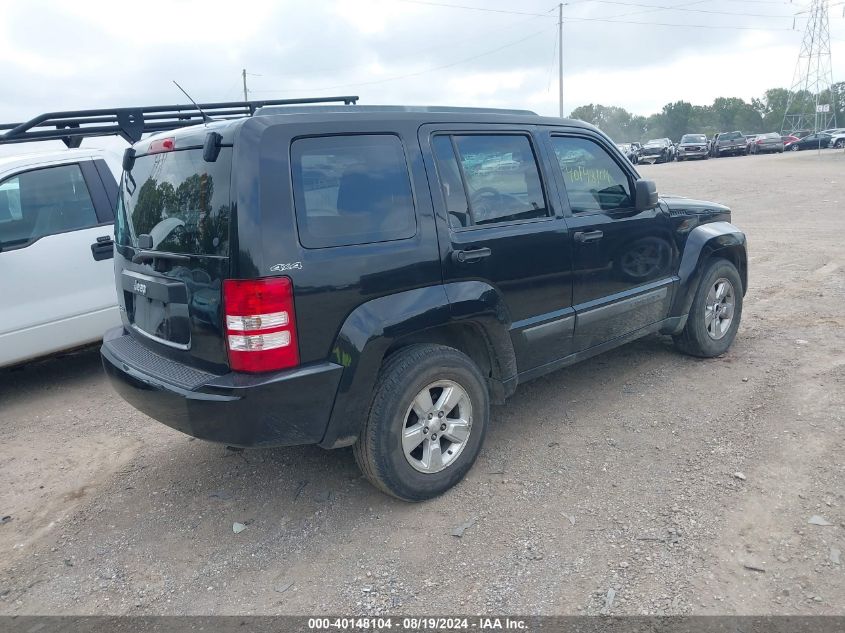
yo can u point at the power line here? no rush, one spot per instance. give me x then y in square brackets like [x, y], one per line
[420, 72]
[675, 25]
[415, 53]
[469, 8]
[682, 8]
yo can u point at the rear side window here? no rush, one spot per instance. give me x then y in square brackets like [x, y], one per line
[500, 176]
[351, 190]
[44, 202]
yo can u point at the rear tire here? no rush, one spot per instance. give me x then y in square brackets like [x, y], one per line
[410, 380]
[715, 313]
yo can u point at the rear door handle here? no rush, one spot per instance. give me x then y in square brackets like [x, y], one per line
[587, 236]
[470, 256]
[103, 248]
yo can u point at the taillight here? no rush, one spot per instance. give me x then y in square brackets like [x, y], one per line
[260, 325]
[162, 145]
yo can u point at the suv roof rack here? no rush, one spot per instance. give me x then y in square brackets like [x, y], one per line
[271, 108]
[131, 123]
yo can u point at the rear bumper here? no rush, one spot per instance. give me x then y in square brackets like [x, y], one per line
[278, 409]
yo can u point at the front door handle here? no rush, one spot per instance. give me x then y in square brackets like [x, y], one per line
[103, 248]
[469, 256]
[587, 236]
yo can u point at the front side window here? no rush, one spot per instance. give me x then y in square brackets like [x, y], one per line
[500, 174]
[594, 181]
[44, 202]
[351, 190]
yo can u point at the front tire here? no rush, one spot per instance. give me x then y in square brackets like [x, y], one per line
[794, 148]
[839, 144]
[427, 422]
[715, 313]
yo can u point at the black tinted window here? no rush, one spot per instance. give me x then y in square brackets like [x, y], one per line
[43, 202]
[180, 200]
[502, 179]
[351, 190]
[594, 181]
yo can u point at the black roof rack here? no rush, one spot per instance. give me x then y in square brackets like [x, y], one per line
[72, 126]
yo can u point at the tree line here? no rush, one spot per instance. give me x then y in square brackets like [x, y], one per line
[725, 114]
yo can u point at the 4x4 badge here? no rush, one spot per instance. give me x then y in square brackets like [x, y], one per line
[140, 288]
[282, 267]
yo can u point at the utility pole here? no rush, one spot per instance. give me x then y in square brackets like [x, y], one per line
[560, 58]
[246, 92]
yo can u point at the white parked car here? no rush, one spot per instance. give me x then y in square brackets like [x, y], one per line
[57, 212]
[57, 287]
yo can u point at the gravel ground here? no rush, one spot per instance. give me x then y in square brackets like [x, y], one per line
[641, 481]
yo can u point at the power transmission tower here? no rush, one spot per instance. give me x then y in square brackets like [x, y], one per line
[812, 102]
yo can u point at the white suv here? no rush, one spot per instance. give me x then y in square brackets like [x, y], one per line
[56, 252]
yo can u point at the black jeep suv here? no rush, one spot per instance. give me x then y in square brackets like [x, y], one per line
[378, 276]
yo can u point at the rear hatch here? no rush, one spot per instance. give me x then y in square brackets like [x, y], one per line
[173, 240]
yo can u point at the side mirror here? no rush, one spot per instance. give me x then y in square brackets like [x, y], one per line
[645, 194]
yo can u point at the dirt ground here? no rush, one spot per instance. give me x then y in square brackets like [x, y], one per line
[641, 481]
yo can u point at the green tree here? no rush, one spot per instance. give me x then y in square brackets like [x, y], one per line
[676, 118]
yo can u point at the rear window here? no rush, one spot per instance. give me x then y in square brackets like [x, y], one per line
[178, 199]
[730, 136]
[351, 190]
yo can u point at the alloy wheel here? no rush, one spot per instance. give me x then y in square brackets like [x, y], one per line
[437, 426]
[719, 308]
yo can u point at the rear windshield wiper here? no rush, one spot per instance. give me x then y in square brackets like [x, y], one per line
[141, 256]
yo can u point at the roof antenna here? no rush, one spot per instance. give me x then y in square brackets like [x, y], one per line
[205, 117]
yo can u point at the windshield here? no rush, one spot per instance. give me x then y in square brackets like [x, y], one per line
[655, 142]
[730, 136]
[179, 200]
[693, 138]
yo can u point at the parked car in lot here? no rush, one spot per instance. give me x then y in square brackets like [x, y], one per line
[749, 140]
[729, 144]
[364, 282]
[56, 224]
[56, 268]
[693, 146]
[659, 150]
[767, 143]
[837, 140]
[629, 152]
[811, 141]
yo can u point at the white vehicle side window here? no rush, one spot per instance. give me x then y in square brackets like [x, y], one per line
[44, 202]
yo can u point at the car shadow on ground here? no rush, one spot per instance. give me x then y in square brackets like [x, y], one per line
[301, 479]
[61, 372]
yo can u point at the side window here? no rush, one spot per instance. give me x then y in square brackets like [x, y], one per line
[43, 202]
[502, 178]
[594, 181]
[351, 190]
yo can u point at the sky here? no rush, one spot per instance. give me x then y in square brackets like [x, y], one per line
[638, 54]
